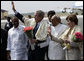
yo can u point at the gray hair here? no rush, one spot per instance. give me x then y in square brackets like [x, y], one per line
[40, 13]
[57, 17]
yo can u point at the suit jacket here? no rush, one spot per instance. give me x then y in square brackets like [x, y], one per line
[3, 43]
[41, 33]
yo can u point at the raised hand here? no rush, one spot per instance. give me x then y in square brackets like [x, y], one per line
[13, 7]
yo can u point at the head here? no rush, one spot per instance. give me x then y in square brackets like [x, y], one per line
[72, 20]
[39, 15]
[55, 20]
[50, 14]
[15, 22]
[29, 16]
[8, 19]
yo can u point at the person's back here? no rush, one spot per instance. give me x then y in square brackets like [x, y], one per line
[3, 44]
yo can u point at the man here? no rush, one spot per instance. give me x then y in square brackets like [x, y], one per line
[29, 16]
[3, 44]
[17, 42]
[55, 49]
[49, 15]
[8, 25]
[39, 32]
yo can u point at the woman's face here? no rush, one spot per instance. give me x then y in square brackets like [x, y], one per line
[70, 24]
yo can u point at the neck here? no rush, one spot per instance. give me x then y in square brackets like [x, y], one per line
[16, 26]
[72, 26]
[38, 21]
[55, 24]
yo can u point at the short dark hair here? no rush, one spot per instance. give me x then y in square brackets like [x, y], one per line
[72, 18]
[51, 12]
[29, 16]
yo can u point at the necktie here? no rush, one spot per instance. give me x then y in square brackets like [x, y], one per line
[35, 29]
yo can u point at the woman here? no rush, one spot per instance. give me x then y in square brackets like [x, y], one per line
[73, 53]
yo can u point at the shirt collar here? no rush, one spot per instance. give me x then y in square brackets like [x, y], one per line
[58, 25]
[15, 28]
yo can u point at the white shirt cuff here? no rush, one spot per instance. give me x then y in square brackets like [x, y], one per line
[16, 12]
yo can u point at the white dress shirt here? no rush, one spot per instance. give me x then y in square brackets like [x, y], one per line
[17, 43]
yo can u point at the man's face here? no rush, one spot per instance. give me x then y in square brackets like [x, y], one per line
[15, 22]
[54, 21]
[37, 18]
[50, 16]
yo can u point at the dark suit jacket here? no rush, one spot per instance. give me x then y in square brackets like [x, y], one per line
[19, 16]
[3, 44]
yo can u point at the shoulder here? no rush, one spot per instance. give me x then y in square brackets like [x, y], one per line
[44, 21]
[78, 29]
[21, 26]
[64, 26]
[32, 21]
[10, 29]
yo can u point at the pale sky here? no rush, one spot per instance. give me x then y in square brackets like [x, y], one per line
[32, 6]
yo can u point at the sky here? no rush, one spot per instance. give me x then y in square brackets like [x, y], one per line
[32, 6]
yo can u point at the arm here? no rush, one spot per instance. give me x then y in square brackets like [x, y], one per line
[74, 44]
[5, 26]
[56, 39]
[8, 47]
[8, 55]
[17, 14]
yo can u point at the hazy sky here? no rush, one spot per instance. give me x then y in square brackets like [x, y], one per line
[32, 6]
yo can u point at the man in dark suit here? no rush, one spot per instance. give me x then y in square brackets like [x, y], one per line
[39, 34]
[3, 44]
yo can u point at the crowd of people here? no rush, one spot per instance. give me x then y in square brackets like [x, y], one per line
[49, 37]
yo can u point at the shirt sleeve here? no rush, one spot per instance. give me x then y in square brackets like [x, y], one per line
[23, 19]
[19, 16]
[16, 12]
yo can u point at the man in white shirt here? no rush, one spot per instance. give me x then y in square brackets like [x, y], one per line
[17, 42]
[39, 31]
[55, 51]
[49, 15]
